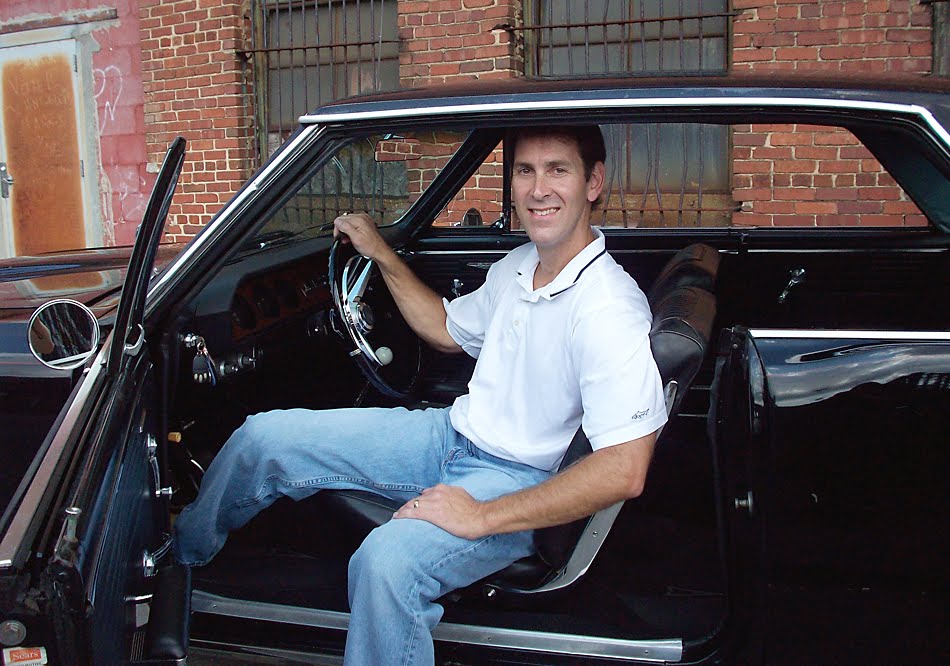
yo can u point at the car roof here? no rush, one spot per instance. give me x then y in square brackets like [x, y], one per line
[926, 91]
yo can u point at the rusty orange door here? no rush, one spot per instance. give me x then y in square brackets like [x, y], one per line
[44, 201]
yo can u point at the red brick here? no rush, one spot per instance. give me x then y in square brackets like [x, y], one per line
[797, 53]
[763, 194]
[754, 55]
[908, 35]
[751, 220]
[816, 207]
[860, 207]
[794, 221]
[818, 37]
[816, 153]
[794, 166]
[794, 194]
[776, 207]
[767, 153]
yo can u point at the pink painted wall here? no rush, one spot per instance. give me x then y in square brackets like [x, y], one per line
[124, 183]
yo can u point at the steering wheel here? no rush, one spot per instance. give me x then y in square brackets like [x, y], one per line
[355, 316]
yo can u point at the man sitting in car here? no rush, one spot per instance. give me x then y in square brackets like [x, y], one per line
[560, 332]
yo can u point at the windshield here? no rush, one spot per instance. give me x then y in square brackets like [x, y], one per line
[381, 174]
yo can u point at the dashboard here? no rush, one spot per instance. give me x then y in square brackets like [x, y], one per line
[263, 300]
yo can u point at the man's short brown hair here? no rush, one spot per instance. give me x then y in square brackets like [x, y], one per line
[589, 140]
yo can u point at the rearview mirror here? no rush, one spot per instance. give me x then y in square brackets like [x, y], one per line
[63, 334]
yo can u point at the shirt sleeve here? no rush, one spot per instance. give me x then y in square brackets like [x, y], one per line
[467, 317]
[621, 390]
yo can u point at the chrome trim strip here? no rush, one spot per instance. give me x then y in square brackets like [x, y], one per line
[215, 649]
[818, 334]
[615, 103]
[588, 545]
[840, 250]
[535, 641]
[26, 512]
[457, 252]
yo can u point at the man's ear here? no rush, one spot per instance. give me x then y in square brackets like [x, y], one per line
[595, 183]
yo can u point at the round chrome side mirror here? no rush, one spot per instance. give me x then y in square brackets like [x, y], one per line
[63, 334]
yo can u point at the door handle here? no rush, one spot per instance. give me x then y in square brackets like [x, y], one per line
[6, 181]
[795, 277]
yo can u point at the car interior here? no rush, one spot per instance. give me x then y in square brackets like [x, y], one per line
[264, 331]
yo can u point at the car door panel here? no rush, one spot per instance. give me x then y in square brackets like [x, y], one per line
[841, 285]
[839, 471]
[120, 520]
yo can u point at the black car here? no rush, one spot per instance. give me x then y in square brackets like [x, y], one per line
[796, 257]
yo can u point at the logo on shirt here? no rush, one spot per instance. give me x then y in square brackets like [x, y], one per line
[640, 415]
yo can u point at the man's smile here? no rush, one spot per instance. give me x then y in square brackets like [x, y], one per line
[542, 212]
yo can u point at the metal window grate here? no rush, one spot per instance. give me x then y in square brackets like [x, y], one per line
[310, 52]
[658, 174]
[597, 37]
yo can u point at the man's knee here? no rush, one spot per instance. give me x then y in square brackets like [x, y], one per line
[264, 438]
[385, 561]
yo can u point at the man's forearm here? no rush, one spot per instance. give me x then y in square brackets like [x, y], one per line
[603, 478]
[420, 306]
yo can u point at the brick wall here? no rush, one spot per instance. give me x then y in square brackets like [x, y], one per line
[810, 176]
[453, 41]
[197, 85]
[456, 40]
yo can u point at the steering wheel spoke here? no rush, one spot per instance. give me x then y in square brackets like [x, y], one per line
[356, 275]
[348, 287]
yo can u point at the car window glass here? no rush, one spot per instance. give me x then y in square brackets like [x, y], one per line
[480, 201]
[675, 175]
[382, 175]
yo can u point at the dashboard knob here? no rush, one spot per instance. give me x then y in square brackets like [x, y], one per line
[385, 355]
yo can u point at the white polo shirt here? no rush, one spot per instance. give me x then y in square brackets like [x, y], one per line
[576, 351]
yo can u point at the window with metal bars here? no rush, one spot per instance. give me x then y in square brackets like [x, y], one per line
[658, 175]
[310, 52]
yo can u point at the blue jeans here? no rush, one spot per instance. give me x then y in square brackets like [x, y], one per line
[402, 567]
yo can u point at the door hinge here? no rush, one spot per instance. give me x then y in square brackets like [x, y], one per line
[82, 169]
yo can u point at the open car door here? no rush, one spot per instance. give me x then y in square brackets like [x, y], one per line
[96, 512]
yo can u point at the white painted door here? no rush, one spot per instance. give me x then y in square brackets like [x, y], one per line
[43, 139]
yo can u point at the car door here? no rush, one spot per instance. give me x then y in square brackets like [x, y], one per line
[102, 518]
[838, 464]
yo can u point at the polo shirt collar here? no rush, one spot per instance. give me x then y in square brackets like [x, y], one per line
[568, 276]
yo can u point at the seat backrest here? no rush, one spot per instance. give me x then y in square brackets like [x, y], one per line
[679, 338]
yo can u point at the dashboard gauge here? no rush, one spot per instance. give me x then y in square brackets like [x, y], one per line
[242, 314]
[266, 301]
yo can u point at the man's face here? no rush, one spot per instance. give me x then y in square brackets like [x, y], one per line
[550, 192]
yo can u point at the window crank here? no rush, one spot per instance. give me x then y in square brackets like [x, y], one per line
[796, 277]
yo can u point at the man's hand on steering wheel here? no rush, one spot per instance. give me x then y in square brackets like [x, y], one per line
[361, 232]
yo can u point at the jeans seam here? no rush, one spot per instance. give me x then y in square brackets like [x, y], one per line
[248, 501]
[413, 592]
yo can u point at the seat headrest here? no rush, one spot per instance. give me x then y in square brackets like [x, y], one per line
[693, 266]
